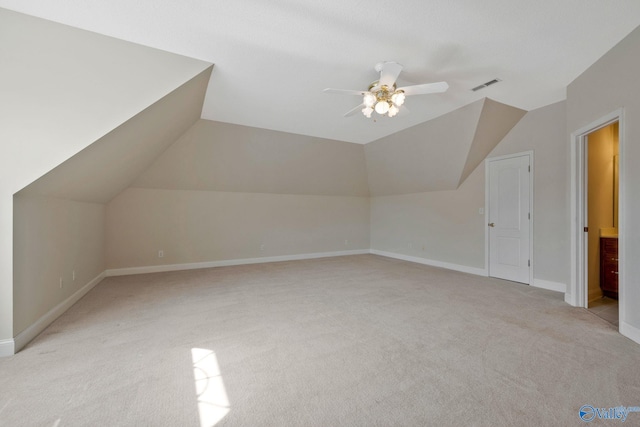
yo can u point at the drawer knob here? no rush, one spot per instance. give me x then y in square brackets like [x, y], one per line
[614, 272]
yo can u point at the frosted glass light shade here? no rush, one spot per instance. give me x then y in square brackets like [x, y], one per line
[398, 98]
[382, 107]
[369, 99]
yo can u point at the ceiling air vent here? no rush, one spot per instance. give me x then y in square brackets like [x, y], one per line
[487, 84]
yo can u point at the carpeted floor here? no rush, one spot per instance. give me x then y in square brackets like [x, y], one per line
[350, 341]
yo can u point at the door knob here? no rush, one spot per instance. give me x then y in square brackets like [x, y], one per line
[491, 224]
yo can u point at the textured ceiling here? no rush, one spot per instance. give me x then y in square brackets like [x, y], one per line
[274, 58]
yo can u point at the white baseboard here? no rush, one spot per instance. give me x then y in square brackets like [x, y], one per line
[552, 286]
[34, 330]
[568, 298]
[630, 332]
[226, 263]
[7, 348]
[433, 263]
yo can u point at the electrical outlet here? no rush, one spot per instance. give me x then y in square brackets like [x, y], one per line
[160, 254]
[73, 275]
[346, 242]
[410, 245]
[262, 247]
[481, 211]
[61, 283]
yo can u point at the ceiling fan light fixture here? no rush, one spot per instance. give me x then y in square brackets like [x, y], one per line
[382, 107]
[383, 95]
[383, 100]
[398, 97]
[369, 99]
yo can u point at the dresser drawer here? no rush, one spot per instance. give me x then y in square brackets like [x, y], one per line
[609, 246]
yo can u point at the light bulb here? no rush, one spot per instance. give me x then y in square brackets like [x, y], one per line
[398, 98]
[367, 112]
[369, 99]
[382, 107]
[393, 110]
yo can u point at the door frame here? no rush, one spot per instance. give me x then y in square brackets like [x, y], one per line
[577, 293]
[487, 161]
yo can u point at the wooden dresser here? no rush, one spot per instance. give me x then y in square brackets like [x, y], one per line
[609, 266]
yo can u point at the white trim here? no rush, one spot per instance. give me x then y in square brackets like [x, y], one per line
[576, 293]
[568, 298]
[7, 348]
[630, 332]
[433, 263]
[622, 221]
[530, 154]
[24, 337]
[226, 263]
[552, 286]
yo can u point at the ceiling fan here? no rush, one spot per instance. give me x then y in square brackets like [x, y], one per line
[383, 96]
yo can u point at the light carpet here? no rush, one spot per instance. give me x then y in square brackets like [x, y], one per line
[349, 341]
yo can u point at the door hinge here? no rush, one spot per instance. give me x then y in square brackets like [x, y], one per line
[529, 167]
[529, 215]
[529, 263]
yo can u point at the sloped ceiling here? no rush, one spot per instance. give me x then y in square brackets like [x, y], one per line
[109, 165]
[496, 120]
[62, 88]
[214, 156]
[441, 153]
[273, 58]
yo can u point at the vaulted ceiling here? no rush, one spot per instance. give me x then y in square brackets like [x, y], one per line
[273, 59]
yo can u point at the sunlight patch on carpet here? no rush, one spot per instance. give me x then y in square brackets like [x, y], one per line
[213, 404]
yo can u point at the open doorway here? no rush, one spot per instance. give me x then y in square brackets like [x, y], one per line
[578, 290]
[601, 148]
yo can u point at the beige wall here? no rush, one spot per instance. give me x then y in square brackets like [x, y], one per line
[203, 226]
[601, 149]
[53, 238]
[446, 226]
[543, 131]
[224, 192]
[439, 225]
[612, 83]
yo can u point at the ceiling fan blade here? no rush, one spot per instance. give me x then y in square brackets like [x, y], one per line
[389, 72]
[344, 91]
[354, 111]
[424, 89]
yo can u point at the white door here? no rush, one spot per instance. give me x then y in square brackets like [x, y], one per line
[509, 218]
